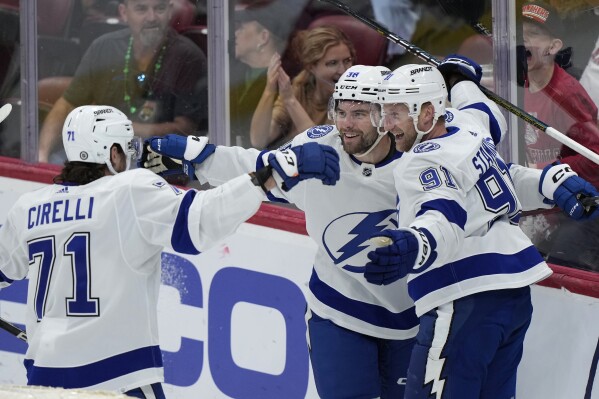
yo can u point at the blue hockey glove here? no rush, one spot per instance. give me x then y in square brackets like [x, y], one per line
[403, 251]
[308, 161]
[188, 149]
[560, 185]
[464, 67]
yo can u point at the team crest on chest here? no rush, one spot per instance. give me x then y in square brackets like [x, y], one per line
[319, 131]
[426, 147]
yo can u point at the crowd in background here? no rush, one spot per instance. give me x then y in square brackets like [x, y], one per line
[149, 59]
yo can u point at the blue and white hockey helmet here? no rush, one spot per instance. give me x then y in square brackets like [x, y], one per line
[414, 85]
[90, 131]
[358, 83]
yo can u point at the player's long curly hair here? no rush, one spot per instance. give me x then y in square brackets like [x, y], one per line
[81, 173]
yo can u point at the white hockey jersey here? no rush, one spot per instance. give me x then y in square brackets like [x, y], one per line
[93, 255]
[340, 220]
[459, 189]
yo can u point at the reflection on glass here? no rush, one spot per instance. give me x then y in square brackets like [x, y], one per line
[147, 70]
[553, 95]
[10, 87]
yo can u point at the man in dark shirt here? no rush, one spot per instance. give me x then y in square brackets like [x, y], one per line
[156, 77]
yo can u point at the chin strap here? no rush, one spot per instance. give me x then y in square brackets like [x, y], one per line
[419, 133]
[372, 146]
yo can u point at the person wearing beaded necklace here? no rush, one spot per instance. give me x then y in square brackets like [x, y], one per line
[155, 76]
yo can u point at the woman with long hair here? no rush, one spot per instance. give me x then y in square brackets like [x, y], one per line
[287, 107]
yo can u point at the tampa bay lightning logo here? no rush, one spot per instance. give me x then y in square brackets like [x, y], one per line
[319, 131]
[346, 238]
[426, 147]
[448, 116]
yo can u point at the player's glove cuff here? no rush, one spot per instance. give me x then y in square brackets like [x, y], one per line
[552, 177]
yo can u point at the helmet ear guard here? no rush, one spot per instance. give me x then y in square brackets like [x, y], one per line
[90, 131]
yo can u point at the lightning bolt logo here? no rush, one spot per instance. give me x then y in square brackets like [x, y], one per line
[435, 360]
[357, 227]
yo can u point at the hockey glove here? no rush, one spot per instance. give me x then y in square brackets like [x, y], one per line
[188, 149]
[560, 185]
[308, 161]
[408, 250]
[463, 67]
[159, 164]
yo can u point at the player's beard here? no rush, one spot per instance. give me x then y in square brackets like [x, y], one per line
[366, 140]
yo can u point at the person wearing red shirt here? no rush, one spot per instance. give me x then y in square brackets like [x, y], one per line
[559, 100]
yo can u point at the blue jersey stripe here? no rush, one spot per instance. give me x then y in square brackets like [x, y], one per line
[94, 373]
[472, 267]
[449, 208]
[373, 314]
[180, 239]
[493, 124]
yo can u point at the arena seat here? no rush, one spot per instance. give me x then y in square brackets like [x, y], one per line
[184, 14]
[54, 17]
[371, 47]
[199, 35]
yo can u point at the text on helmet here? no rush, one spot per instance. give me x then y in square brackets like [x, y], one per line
[423, 69]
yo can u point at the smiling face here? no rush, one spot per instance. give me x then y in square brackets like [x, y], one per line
[147, 19]
[541, 47]
[336, 60]
[352, 119]
[397, 120]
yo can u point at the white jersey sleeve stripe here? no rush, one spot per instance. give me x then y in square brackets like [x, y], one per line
[146, 358]
[450, 209]
[476, 266]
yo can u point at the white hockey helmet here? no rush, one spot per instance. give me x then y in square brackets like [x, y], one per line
[359, 83]
[415, 85]
[90, 131]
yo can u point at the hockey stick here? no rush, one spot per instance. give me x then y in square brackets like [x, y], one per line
[556, 134]
[5, 111]
[468, 10]
[14, 330]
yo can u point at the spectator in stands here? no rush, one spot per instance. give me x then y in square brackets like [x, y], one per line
[286, 107]
[558, 99]
[590, 75]
[155, 76]
[260, 36]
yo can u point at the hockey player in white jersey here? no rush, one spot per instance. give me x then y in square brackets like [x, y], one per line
[91, 246]
[469, 265]
[360, 335]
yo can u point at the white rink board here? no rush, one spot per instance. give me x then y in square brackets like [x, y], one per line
[231, 323]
